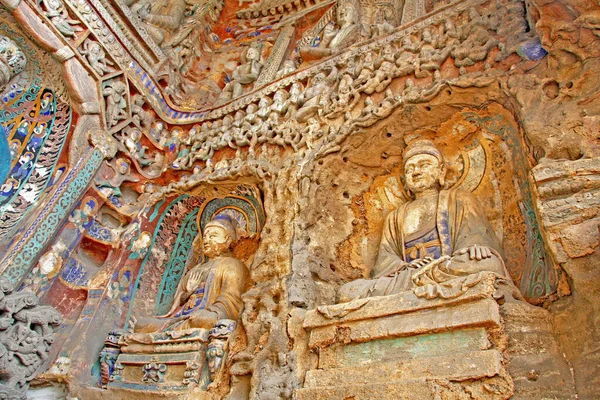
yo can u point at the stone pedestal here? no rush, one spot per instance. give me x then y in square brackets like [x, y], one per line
[161, 362]
[175, 365]
[536, 363]
[403, 346]
[406, 347]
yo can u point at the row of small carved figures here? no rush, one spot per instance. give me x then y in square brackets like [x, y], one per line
[326, 96]
[262, 124]
[26, 333]
[468, 41]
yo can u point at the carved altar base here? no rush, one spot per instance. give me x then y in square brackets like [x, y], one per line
[161, 362]
[406, 347]
[403, 346]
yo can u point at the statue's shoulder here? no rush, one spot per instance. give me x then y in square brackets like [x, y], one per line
[464, 198]
[232, 264]
[394, 213]
[459, 194]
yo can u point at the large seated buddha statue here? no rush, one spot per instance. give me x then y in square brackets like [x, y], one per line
[436, 243]
[210, 291]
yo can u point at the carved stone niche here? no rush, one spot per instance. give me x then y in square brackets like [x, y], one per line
[428, 325]
[181, 352]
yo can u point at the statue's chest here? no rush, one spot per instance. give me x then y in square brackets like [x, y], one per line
[418, 216]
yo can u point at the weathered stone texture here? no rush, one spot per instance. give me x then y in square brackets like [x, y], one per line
[132, 124]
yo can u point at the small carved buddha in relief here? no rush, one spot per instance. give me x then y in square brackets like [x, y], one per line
[160, 18]
[332, 39]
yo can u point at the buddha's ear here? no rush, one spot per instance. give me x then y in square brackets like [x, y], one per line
[443, 172]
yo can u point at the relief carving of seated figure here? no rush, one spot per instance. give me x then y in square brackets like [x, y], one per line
[210, 291]
[333, 40]
[244, 74]
[160, 18]
[429, 242]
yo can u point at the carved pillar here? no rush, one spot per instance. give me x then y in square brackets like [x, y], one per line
[276, 57]
[109, 355]
[413, 9]
[217, 346]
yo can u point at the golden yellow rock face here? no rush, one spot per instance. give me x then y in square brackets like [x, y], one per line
[410, 188]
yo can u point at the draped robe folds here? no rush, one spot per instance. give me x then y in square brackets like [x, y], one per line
[223, 281]
[459, 222]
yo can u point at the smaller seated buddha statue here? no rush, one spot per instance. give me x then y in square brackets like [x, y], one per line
[439, 237]
[210, 291]
[244, 74]
[334, 39]
[160, 18]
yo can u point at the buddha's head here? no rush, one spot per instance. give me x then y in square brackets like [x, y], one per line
[424, 166]
[280, 96]
[264, 102]
[123, 166]
[347, 15]
[427, 36]
[251, 109]
[252, 54]
[219, 234]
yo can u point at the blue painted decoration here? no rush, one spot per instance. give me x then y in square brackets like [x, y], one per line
[5, 159]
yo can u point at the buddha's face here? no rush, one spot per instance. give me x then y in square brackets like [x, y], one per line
[142, 242]
[252, 54]
[318, 78]
[426, 36]
[215, 241]
[123, 168]
[87, 210]
[422, 172]
[346, 16]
